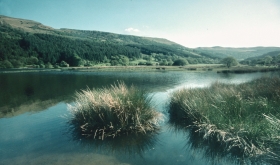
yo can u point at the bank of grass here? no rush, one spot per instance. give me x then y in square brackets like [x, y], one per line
[243, 118]
[113, 111]
[248, 69]
[196, 67]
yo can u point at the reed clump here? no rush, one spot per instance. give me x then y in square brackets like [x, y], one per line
[243, 118]
[113, 111]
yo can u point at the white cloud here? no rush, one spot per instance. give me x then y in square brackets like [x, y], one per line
[131, 30]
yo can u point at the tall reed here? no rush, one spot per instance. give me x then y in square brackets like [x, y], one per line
[113, 111]
[238, 116]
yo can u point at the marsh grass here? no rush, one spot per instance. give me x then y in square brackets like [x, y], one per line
[113, 111]
[244, 118]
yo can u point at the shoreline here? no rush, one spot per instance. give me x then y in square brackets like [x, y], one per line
[219, 68]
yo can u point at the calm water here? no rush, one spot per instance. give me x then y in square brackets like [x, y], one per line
[34, 118]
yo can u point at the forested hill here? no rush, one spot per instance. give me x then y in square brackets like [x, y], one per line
[26, 43]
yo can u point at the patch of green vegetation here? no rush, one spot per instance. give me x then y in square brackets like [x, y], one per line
[113, 111]
[244, 117]
[229, 61]
[180, 62]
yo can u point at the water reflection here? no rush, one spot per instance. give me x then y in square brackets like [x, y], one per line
[29, 90]
[212, 150]
[132, 144]
[18, 90]
[37, 138]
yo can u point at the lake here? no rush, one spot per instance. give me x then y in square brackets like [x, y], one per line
[34, 126]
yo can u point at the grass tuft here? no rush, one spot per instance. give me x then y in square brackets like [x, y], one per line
[244, 117]
[113, 111]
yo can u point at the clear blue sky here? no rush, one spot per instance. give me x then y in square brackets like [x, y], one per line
[192, 23]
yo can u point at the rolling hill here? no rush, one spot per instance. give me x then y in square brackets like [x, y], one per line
[238, 53]
[26, 42]
[270, 58]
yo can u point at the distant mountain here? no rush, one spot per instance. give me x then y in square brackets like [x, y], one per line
[238, 53]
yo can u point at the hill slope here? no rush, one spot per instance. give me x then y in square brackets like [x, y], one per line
[36, 27]
[270, 58]
[25, 42]
[238, 53]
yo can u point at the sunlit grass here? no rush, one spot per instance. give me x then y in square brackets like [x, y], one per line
[243, 117]
[113, 111]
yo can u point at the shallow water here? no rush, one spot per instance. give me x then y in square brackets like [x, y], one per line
[34, 119]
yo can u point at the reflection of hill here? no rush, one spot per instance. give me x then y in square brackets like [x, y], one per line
[29, 92]
[32, 106]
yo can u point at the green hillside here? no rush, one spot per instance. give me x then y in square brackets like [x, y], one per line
[29, 43]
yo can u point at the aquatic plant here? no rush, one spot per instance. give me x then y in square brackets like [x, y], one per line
[113, 111]
[237, 116]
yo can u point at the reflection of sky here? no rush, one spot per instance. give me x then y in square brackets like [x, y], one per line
[30, 132]
[43, 136]
[205, 79]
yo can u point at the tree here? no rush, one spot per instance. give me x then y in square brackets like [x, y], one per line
[64, 64]
[6, 64]
[75, 60]
[32, 60]
[48, 65]
[114, 62]
[124, 60]
[229, 61]
[106, 60]
[180, 62]
[163, 62]
[277, 58]
[268, 59]
[16, 63]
